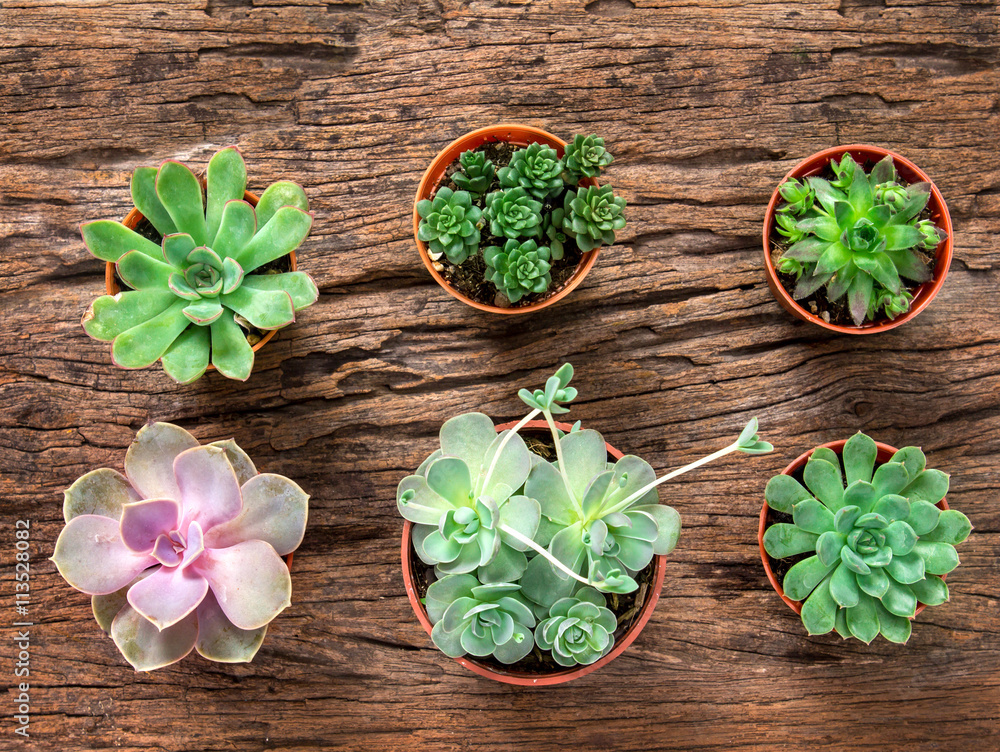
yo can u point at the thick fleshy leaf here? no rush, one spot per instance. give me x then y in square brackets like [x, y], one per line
[442, 593]
[102, 492]
[299, 286]
[176, 248]
[899, 599]
[892, 507]
[249, 580]
[668, 526]
[939, 558]
[844, 587]
[232, 275]
[863, 621]
[231, 353]
[547, 486]
[222, 641]
[449, 643]
[899, 536]
[109, 240]
[875, 584]
[149, 461]
[180, 193]
[854, 561]
[227, 180]
[186, 360]
[237, 228]
[110, 315]
[469, 557]
[892, 627]
[860, 494]
[593, 497]
[277, 195]
[142, 522]
[507, 566]
[264, 309]
[813, 517]
[930, 485]
[91, 556]
[148, 203]
[512, 467]
[845, 518]
[144, 344]
[203, 312]
[859, 458]
[823, 479]
[521, 514]
[782, 540]
[210, 493]
[146, 647]
[952, 527]
[859, 297]
[567, 546]
[467, 437]
[912, 458]
[586, 456]
[168, 595]
[828, 547]
[923, 517]
[449, 478]
[240, 460]
[142, 272]
[819, 612]
[106, 607]
[931, 590]
[890, 478]
[542, 585]
[782, 491]
[906, 568]
[275, 510]
[280, 236]
[422, 506]
[632, 473]
[841, 624]
[803, 577]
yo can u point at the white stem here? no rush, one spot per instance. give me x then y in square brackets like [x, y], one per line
[496, 456]
[562, 463]
[541, 551]
[680, 471]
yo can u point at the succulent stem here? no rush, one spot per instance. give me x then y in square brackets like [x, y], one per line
[496, 455]
[542, 552]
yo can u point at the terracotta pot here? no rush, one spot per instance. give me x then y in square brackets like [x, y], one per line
[132, 220]
[513, 675]
[519, 135]
[885, 452]
[909, 172]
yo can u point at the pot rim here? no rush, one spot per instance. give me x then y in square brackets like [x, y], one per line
[885, 451]
[939, 213]
[522, 678]
[132, 220]
[517, 134]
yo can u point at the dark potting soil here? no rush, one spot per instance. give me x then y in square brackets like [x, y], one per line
[626, 608]
[836, 311]
[278, 266]
[469, 276]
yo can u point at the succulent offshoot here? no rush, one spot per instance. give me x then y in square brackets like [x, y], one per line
[449, 224]
[537, 169]
[592, 215]
[585, 157]
[476, 173]
[519, 268]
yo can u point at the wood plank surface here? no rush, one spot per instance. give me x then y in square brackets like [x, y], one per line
[675, 337]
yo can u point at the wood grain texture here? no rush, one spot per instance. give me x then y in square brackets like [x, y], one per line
[675, 337]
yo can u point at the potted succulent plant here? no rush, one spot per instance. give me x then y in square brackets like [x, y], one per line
[537, 565]
[211, 270]
[183, 551]
[856, 240]
[509, 219]
[869, 538]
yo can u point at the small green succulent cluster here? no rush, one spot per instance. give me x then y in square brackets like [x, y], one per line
[538, 205]
[858, 235]
[513, 536]
[878, 541]
[195, 295]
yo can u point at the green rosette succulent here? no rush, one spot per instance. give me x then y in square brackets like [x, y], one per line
[592, 215]
[470, 618]
[462, 495]
[579, 629]
[476, 174]
[193, 295]
[585, 157]
[449, 225]
[514, 214]
[858, 236]
[518, 269]
[537, 169]
[879, 543]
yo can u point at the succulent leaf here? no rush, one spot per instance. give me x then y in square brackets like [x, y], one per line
[186, 360]
[231, 353]
[226, 181]
[145, 343]
[180, 193]
[148, 203]
[237, 226]
[277, 195]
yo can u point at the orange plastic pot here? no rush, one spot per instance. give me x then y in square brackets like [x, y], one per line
[519, 135]
[132, 220]
[909, 172]
[513, 675]
[885, 453]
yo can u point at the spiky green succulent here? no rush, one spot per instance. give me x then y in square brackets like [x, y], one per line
[592, 215]
[476, 173]
[449, 225]
[480, 620]
[519, 268]
[586, 156]
[513, 213]
[579, 629]
[879, 542]
[536, 168]
[194, 296]
[857, 236]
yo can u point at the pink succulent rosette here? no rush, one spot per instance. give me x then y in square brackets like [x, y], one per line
[183, 551]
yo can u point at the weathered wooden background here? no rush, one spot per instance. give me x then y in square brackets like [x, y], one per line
[676, 340]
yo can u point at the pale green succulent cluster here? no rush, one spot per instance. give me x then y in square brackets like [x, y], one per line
[195, 295]
[512, 535]
[878, 541]
[538, 200]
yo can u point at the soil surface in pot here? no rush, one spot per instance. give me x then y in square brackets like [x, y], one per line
[626, 608]
[836, 311]
[278, 266]
[469, 276]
